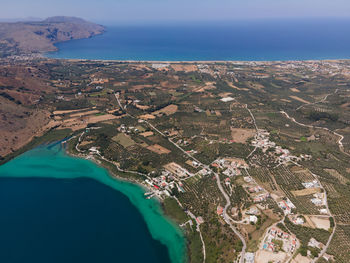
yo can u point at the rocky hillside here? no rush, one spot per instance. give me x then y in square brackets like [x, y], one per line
[36, 37]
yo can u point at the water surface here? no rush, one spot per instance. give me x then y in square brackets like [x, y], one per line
[283, 39]
[56, 208]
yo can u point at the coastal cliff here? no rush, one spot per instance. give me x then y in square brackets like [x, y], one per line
[37, 37]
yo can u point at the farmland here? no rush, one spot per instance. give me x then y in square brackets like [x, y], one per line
[232, 149]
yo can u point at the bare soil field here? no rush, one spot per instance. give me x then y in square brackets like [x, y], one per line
[300, 259]
[80, 123]
[147, 117]
[80, 114]
[307, 191]
[235, 87]
[263, 256]
[294, 90]
[300, 99]
[158, 149]
[147, 134]
[168, 110]
[185, 68]
[241, 135]
[142, 107]
[320, 222]
[60, 112]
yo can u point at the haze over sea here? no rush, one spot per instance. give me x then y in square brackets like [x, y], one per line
[284, 39]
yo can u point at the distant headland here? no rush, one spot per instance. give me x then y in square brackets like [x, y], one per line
[21, 38]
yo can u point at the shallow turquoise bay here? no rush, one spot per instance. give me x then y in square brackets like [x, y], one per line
[46, 164]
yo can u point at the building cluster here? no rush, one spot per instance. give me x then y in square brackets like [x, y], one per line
[230, 166]
[290, 242]
[312, 184]
[203, 68]
[177, 170]
[318, 199]
[129, 129]
[160, 65]
[262, 141]
[249, 257]
[251, 215]
[169, 179]
[314, 243]
[256, 192]
[286, 205]
[296, 219]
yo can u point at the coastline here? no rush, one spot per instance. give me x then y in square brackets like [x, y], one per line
[114, 175]
[154, 50]
[151, 210]
[42, 56]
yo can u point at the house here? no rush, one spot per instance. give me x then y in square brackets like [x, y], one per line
[328, 257]
[249, 257]
[253, 219]
[200, 220]
[219, 210]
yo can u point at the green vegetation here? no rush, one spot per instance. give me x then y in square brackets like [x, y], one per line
[208, 129]
[123, 140]
[174, 211]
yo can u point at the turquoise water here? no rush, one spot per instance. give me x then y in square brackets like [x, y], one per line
[57, 208]
[281, 39]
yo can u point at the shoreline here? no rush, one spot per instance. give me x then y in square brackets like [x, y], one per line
[58, 49]
[149, 212]
[144, 187]
[194, 61]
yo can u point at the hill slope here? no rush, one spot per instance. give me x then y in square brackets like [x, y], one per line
[36, 37]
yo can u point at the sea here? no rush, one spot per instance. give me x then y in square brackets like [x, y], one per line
[242, 40]
[57, 208]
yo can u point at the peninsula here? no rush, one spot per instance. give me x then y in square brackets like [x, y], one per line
[24, 38]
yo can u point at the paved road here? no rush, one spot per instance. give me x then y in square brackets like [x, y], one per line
[228, 202]
[341, 147]
[227, 217]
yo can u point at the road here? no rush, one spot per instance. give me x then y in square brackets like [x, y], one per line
[341, 137]
[341, 147]
[190, 214]
[228, 202]
[227, 218]
[329, 212]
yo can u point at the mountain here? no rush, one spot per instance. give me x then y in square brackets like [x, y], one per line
[40, 36]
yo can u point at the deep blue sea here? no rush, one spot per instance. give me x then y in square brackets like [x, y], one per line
[54, 220]
[59, 209]
[235, 40]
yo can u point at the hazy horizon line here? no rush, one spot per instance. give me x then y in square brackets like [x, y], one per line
[170, 21]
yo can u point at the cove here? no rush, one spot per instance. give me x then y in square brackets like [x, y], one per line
[58, 208]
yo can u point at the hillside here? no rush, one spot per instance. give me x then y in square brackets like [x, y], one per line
[36, 37]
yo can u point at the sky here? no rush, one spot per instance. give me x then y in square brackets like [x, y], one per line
[174, 10]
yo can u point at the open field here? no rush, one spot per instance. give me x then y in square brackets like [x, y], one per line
[242, 135]
[158, 149]
[308, 191]
[267, 256]
[123, 140]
